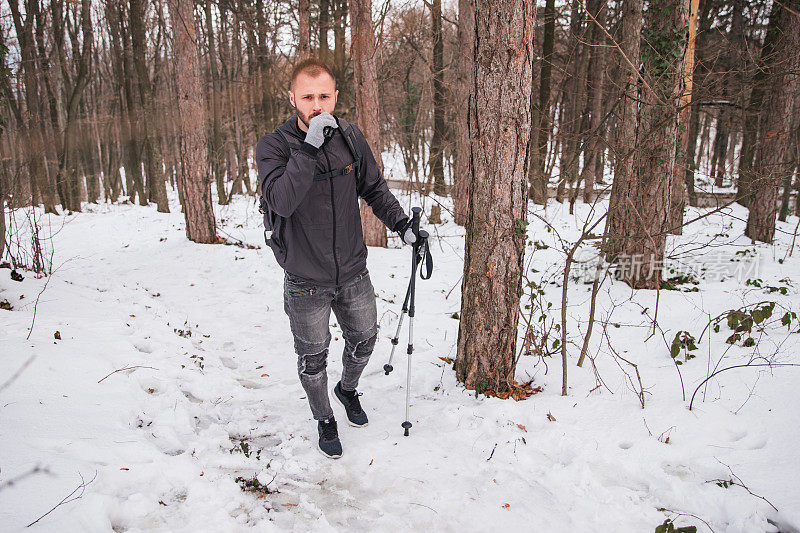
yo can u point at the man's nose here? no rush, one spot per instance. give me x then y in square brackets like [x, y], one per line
[317, 104]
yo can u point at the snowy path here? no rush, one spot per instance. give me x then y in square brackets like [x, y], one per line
[212, 395]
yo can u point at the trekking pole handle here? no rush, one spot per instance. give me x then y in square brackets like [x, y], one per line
[415, 213]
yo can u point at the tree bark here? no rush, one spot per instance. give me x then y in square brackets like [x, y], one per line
[365, 76]
[465, 70]
[639, 218]
[750, 133]
[679, 186]
[499, 130]
[193, 177]
[621, 190]
[303, 30]
[774, 158]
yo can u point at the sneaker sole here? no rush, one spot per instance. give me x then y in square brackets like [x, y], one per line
[345, 412]
[326, 455]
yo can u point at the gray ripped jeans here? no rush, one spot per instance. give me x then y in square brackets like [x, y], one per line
[309, 309]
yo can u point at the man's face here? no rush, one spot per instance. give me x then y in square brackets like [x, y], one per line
[312, 96]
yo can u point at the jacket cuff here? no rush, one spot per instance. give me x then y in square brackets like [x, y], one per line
[400, 225]
[309, 149]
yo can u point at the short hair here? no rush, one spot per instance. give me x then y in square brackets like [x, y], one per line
[312, 67]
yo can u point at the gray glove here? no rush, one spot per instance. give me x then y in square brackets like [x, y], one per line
[316, 129]
[406, 232]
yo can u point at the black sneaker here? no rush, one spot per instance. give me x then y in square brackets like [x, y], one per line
[329, 443]
[349, 400]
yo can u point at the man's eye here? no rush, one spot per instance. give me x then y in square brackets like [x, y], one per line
[324, 96]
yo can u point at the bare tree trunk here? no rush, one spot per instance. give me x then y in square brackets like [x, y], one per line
[597, 8]
[324, 26]
[499, 132]
[304, 30]
[362, 38]
[133, 154]
[345, 100]
[774, 158]
[465, 70]
[640, 216]
[622, 189]
[720, 151]
[541, 114]
[569, 126]
[437, 142]
[156, 187]
[215, 145]
[69, 163]
[193, 178]
[35, 140]
[752, 112]
[678, 188]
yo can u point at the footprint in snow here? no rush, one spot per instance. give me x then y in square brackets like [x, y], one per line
[737, 435]
[143, 346]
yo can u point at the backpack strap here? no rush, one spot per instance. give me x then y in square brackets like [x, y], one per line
[348, 131]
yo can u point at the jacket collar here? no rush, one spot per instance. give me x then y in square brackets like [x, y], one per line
[291, 127]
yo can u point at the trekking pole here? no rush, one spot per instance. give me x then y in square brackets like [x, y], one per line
[420, 252]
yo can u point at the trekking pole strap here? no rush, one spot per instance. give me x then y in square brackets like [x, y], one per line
[424, 254]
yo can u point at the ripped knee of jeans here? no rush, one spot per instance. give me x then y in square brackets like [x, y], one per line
[311, 364]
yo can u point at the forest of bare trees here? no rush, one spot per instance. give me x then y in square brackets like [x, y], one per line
[654, 104]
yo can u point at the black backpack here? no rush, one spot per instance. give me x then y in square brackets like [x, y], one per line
[273, 221]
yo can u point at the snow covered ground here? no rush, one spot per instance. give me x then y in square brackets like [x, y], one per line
[174, 376]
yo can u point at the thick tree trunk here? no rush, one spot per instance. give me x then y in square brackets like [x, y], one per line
[156, 187]
[193, 178]
[621, 191]
[774, 158]
[760, 87]
[640, 216]
[362, 38]
[499, 132]
[541, 114]
[465, 70]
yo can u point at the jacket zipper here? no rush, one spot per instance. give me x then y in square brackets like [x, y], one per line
[333, 209]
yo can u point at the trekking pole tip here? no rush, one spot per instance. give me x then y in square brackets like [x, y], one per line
[406, 425]
[387, 369]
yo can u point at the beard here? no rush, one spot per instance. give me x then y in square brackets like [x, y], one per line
[306, 119]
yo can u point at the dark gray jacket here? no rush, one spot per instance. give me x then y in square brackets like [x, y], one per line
[319, 236]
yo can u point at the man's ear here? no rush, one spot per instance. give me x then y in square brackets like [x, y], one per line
[291, 99]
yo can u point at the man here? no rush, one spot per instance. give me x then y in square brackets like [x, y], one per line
[312, 172]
